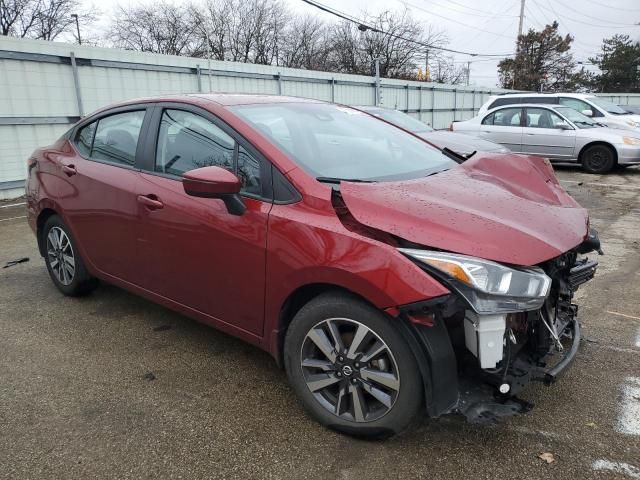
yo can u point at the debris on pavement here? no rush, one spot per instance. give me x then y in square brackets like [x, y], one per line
[12, 263]
[547, 457]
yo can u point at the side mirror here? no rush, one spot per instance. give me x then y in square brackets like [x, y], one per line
[588, 113]
[215, 182]
[564, 126]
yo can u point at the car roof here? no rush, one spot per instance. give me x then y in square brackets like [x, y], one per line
[533, 105]
[551, 95]
[223, 99]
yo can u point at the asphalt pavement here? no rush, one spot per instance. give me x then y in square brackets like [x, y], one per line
[113, 386]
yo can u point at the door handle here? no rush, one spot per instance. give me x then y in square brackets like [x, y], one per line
[69, 170]
[150, 201]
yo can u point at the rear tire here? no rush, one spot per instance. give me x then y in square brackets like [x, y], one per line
[64, 264]
[598, 159]
[352, 368]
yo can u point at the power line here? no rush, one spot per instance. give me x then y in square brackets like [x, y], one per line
[614, 8]
[573, 20]
[470, 40]
[363, 26]
[472, 11]
[450, 19]
[596, 18]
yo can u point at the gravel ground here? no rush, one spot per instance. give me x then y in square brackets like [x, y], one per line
[112, 386]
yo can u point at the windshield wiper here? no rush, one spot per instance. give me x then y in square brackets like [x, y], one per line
[338, 180]
[455, 156]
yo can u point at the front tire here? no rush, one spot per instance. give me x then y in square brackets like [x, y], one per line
[598, 159]
[64, 264]
[351, 368]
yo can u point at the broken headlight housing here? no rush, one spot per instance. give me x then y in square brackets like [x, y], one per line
[487, 286]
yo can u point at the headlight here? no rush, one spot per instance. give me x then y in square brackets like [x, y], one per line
[488, 287]
[632, 123]
[631, 140]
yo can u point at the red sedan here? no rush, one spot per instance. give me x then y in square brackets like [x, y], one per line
[385, 275]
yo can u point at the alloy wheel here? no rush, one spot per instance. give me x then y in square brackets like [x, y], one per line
[350, 370]
[60, 255]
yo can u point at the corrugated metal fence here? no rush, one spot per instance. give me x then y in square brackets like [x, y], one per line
[46, 86]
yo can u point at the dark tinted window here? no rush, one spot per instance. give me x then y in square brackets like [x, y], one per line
[547, 100]
[187, 141]
[84, 139]
[499, 102]
[514, 100]
[116, 137]
[507, 117]
[249, 173]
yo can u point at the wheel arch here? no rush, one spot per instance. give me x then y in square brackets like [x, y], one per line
[43, 216]
[595, 143]
[294, 302]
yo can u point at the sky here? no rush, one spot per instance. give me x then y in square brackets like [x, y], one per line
[488, 26]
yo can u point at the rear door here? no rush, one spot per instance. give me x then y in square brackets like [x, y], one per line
[504, 127]
[192, 250]
[99, 194]
[543, 137]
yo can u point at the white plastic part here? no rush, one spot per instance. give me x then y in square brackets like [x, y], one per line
[484, 337]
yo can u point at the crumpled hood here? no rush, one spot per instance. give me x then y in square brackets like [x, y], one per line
[459, 142]
[506, 208]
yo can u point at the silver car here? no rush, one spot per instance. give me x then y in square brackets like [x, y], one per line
[558, 133]
[461, 144]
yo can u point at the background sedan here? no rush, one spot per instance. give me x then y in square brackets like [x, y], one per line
[558, 133]
[460, 144]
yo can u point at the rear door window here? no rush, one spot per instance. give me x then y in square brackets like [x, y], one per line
[84, 139]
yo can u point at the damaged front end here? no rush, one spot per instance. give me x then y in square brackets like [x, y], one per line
[496, 348]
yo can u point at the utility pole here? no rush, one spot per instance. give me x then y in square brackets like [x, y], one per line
[75, 15]
[521, 18]
[426, 65]
[468, 72]
[520, 24]
[378, 92]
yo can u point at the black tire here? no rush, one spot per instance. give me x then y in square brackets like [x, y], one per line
[377, 420]
[598, 159]
[71, 282]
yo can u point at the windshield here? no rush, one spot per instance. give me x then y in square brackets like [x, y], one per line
[401, 119]
[342, 143]
[607, 106]
[580, 120]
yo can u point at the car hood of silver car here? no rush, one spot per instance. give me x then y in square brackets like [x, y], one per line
[460, 143]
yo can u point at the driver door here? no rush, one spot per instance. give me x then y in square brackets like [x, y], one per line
[504, 127]
[542, 135]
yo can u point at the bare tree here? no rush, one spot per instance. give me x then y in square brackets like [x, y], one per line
[401, 46]
[444, 70]
[40, 19]
[159, 28]
[212, 22]
[305, 44]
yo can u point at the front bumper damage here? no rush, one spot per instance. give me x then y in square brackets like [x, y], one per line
[494, 358]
